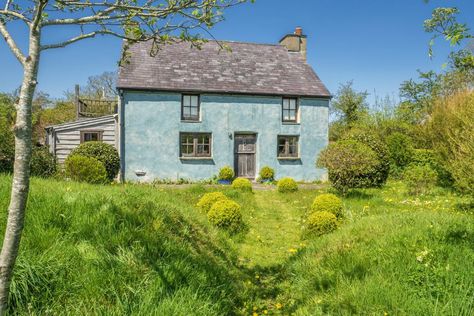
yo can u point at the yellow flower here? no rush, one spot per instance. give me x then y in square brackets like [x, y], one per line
[254, 314]
[265, 311]
[254, 308]
[278, 305]
[257, 277]
[293, 250]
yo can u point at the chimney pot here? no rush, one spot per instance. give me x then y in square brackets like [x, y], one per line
[299, 31]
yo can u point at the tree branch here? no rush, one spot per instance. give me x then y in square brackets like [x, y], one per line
[15, 15]
[11, 43]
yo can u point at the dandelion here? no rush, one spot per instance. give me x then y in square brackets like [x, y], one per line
[293, 250]
[254, 314]
[278, 305]
[265, 311]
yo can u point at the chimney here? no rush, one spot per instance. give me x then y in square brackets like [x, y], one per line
[295, 42]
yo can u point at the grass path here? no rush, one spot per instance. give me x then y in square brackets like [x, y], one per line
[274, 231]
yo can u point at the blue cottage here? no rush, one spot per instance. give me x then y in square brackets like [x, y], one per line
[187, 112]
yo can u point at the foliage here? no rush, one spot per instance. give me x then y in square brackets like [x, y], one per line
[105, 153]
[350, 164]
[85, 169]
[452, 136]
[7, 147]
[225, 214]
[62, 112]
[267, 173]
[286, 185]
[400, 147]
[320, 223]
[226, 173]
[207, 200]
[328, 203]
[349, 105]
[242, 184]
[43, 163]
[368, 137]
[419, 179]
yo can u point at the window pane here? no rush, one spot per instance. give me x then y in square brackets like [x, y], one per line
[90, 137]
[194, 100]
[194, 111]
[292, 115]
[293, 104]
[186, 100]
[286, 103]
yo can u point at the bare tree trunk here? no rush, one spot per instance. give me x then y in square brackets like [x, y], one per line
[21, 172]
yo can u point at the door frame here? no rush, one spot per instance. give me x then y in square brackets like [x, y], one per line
[236, 154]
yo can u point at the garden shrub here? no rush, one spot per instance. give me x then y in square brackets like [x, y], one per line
[350, 164]
[208, 199]
[287, 184]
[242, 184]
[105, 153]
[226, 214]
[452, 135]
[43, 163]
[226, 173]
[400, 147]
[373, 141]
[7, 147]
[85, 169]
[328, 203]
[419, 179]
[320, 223]
[267, 173]
[430, 158]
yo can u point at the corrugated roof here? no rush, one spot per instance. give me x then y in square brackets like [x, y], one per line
[248, 68]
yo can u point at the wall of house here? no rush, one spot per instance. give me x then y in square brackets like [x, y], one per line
[152, 123]
[69, 138]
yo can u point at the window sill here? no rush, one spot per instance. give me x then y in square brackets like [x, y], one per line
[191, 121]
[289, 158]
[291, 123]
[196, 158]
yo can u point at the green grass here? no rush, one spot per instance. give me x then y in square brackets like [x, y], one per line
[143, 250]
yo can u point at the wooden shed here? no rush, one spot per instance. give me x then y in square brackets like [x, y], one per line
[63, 138]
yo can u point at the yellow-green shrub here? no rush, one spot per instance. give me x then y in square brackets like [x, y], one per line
[85, 169]
[225, 214]
[226, 173]
[267, 173]
[287, 184]
[419, 179]
[328, 203]
[320, 223]
[242, 184]
[208, 199]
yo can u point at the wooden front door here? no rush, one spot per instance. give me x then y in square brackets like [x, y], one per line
[245, 149]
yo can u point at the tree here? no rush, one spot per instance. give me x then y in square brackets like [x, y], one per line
[98, 87]
[158, 21]
[349, 105]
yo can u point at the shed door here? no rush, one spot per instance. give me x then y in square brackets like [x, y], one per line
[245, 150]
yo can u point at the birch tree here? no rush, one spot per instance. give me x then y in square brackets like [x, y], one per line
[159, 21]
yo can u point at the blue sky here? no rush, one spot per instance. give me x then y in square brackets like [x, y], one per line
[376, 43]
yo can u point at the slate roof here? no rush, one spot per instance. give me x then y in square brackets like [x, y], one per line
[248, 68]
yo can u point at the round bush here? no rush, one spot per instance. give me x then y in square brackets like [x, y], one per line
[43, 163]
[287, 184]
[225, 214]
[320, 223]
[267, 173]
[369, 138]
[103, 152]
[242, 184]
[328, 203]
[208, 199]
[350, 164]
[419, 179]
[430, 158]
[7, 148]
[226, 173]
[400, 147]
[85, 169]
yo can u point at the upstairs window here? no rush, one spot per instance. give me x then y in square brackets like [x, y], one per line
[288, 147]
[190, 107]
[91, 136]
[290, 110]
[195, 145]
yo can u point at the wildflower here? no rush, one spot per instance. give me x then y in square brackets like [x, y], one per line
[257, 277]
[254, 314]
[278, 305]
[265, 311]
[292, 250]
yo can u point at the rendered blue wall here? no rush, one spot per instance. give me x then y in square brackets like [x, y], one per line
[152, 123]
